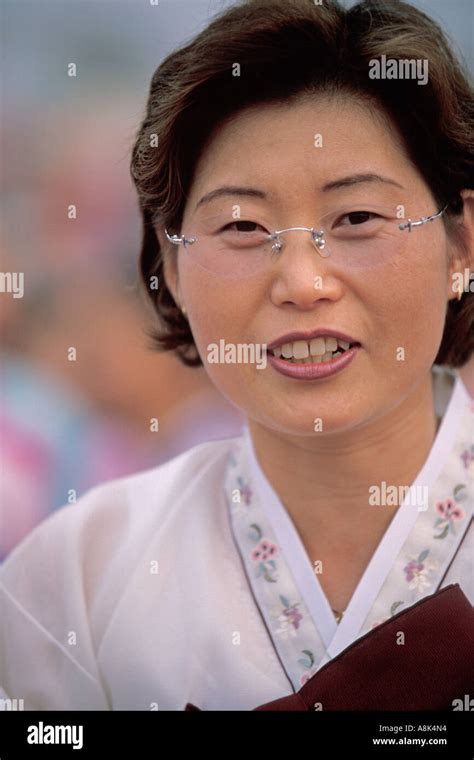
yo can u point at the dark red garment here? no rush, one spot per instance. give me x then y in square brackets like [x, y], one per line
[432, 668]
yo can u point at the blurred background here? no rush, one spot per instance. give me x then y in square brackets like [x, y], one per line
[67, 425]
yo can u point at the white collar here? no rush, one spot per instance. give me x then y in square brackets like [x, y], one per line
[295, 576]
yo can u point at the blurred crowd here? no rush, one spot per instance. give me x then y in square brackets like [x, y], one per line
[65, 424]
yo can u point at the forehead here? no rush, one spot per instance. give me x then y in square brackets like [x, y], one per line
[318, 137]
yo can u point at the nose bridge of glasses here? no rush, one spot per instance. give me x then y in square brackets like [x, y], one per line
[316, 235]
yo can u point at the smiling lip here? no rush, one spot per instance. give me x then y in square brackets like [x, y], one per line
[310, 371]
[299, 335]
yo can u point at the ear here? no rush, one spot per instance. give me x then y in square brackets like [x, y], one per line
[462, 250]
[170, 263]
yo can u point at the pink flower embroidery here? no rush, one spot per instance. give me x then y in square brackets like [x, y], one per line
[413, 568]
[377, 623]
[264, 550]
[306, 676]
[467, 457]
[289, 622]
[245, 490]
[293, 616]
[289, 618]
[449, 510]
[417, 570]
[307, 661]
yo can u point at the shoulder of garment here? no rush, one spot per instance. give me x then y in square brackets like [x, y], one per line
[72, 569]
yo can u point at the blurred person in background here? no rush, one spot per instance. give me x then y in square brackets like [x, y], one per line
[67, 425]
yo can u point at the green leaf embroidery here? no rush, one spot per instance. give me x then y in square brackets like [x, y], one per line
[444, 533]
[256, 530]
[460, 492]
[394, 607]
[309, 661]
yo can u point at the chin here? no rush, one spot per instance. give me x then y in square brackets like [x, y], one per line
[306, 422]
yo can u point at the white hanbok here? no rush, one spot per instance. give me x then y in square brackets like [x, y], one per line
[189, 582]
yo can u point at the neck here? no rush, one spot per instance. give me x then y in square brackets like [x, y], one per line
[324, 482]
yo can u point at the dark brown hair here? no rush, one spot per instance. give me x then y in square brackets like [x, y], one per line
[288, 49]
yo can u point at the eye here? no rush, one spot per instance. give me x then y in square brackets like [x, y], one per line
[247, 224]
[358, 217]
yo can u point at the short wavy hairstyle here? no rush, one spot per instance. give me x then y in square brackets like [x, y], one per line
[288, 49]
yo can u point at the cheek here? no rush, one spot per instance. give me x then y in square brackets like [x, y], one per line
[219, 309]
[225, 310]
[408, 305]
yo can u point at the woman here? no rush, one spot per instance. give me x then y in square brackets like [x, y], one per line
[308, 238]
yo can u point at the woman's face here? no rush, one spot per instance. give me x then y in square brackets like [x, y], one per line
[396, 311]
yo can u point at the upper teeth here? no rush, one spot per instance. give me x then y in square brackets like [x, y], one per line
[302, 349]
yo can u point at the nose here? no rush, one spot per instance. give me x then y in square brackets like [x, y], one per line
[302, 273]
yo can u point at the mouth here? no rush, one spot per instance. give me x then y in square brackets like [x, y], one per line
[312, 350]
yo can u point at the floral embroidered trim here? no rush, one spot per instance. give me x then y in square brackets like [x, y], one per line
[417, 571]
[450, 511]
[300, 646]
[467, 457]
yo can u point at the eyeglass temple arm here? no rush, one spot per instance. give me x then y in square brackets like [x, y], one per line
[421, 221]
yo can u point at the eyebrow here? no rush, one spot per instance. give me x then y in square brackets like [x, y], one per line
[356, 179]
[250, 192]
[253, 192]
